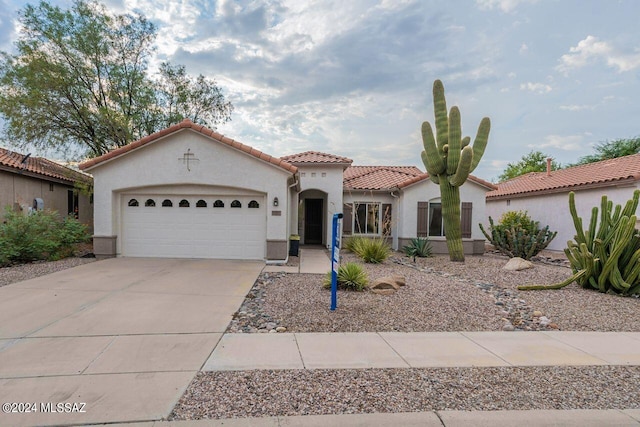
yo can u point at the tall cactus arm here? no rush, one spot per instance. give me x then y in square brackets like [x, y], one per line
[432, 160]
[465, 141]
[480, 143]
[432, 176]
[455, 141]
[577, 221]
[464, 166]
[440, 111]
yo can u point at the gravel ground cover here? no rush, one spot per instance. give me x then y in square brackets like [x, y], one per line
[440, 295]
[22, 272]
[317, 392]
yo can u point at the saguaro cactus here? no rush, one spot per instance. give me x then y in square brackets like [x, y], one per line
[449, 160]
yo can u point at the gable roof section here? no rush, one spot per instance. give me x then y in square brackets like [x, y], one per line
[188, 124]
[472, 178]
[316, 157]
[592, 175]
[40, 167]
[378, 177]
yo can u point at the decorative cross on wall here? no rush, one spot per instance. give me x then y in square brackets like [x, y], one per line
[188, 157]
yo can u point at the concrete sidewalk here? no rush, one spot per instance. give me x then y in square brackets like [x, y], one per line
[313, 260]
[565, 418]
[423, 350]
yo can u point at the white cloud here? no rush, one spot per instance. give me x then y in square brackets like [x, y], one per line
[523, 49]
[536, 87]
[574, 107]
[504, 5]
[591, 49]
[566, 143]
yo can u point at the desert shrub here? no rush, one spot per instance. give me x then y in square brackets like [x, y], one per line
[419, 247]
[40, 235]
[353, 243]
[351, 276]
[374, 251]
[517, 235]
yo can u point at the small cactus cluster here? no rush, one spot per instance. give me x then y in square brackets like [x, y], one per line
[606, 256]
[518, 240]
[449, 160]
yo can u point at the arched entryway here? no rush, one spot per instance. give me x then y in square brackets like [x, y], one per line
[312, 217]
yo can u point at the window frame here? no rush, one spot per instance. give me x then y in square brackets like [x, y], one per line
[356, 231]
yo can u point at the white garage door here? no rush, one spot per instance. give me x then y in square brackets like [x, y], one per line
[225, 227]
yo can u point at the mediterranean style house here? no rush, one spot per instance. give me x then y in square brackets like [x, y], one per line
[28, 183]
[188, 191]
[545, 195]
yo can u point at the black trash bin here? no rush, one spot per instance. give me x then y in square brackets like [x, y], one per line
[294, 245]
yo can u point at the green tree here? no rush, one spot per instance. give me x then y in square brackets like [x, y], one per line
[535, 161]
[612, 149]
[80, 79]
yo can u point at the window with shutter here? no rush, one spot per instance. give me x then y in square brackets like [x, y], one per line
[423, 219]
[347, 220]
[386, 219]
[465, 219]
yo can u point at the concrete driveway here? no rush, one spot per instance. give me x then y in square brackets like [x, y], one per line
[121, 338]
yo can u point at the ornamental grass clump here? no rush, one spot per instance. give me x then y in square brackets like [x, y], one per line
[351, 277]
[517, 235]
[372, 250]
[606, 256]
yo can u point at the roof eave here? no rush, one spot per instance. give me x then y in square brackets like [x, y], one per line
[564, 189]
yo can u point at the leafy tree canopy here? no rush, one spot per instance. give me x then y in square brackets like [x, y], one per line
[612, 149]
[80, 79]
[535, 161]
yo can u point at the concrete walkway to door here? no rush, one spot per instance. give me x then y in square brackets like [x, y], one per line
[122, 338]
[313, 260]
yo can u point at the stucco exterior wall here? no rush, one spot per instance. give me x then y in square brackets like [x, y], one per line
[426, 191]
[159, 164]
[553, 209]
[325, 179]
[21, 190]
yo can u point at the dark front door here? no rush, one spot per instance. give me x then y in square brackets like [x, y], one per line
[313, 213]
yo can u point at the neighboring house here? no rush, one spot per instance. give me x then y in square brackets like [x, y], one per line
[27, 180]
[188, 191]
[545, 195]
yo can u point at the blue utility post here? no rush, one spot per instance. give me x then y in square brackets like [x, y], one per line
[335, 259]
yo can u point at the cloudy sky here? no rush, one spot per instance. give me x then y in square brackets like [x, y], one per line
[354, 77]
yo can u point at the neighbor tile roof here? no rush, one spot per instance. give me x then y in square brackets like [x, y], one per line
[390, 177]
[316, 157]
[592, 175]
[188, 124]
[39, 166]
[378, 177]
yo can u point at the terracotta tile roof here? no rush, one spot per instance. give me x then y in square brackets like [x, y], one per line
[472, 178]
[390, 177]
[315, 157]
[188, 124]
[378, 177]
[591, 175]
[40, 167]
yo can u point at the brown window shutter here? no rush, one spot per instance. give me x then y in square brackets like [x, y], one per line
[386, 219]
[347, 220]
[465, 219]
[423, 219]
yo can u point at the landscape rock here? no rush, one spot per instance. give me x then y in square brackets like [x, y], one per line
[517, 264]
[387, 283]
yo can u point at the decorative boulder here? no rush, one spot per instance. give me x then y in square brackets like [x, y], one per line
[386, 285]
[517, 264]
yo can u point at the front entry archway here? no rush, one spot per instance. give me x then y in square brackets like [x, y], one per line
[313, 217]
[313, 221]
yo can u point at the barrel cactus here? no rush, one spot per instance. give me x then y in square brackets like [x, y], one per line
[449, 160]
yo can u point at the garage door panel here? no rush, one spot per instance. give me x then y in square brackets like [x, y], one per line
[194, 232]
